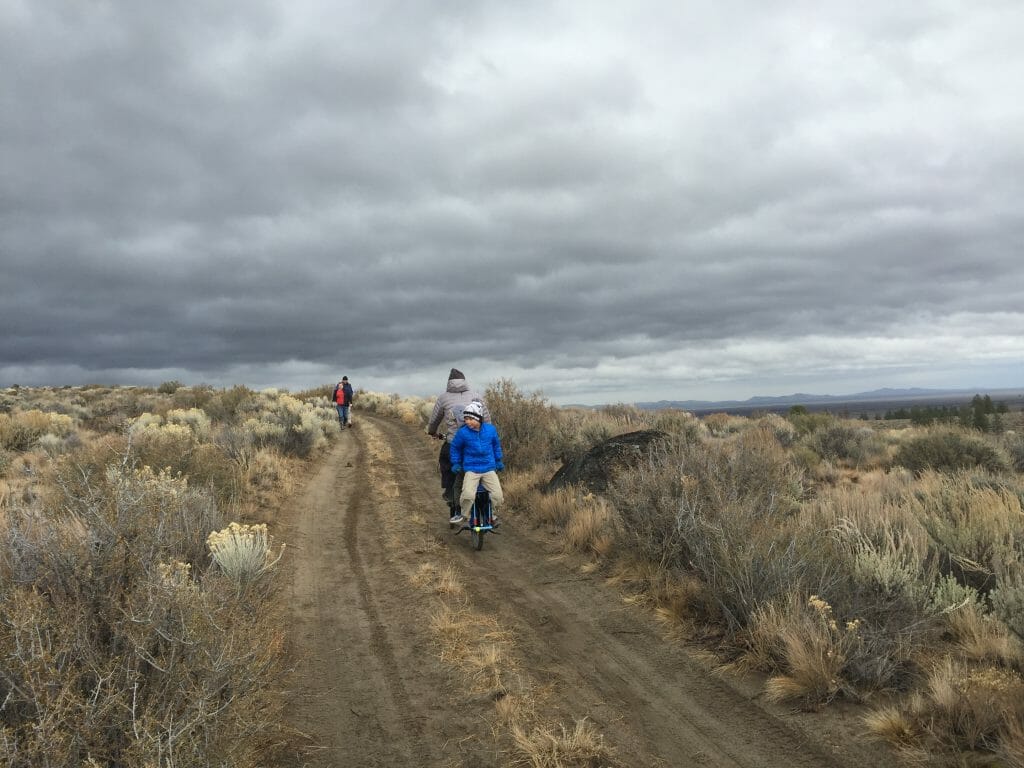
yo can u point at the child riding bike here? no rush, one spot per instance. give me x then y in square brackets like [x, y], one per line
[476, 451]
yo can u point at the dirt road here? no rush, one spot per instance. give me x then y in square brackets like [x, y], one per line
[371, 688]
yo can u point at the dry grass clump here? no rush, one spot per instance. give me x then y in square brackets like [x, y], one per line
[679, 600]
[980, 636]
[813, 648]
[581, 746]
[591, 526]
[522, 487]
[267, 475]
[554, 508]
[1011, 744]
[443, 581]
[480, 646]
[962, 707]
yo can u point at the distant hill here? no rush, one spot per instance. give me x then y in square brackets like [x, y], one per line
[875, 400]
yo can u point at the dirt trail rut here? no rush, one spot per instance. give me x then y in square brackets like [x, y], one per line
[370, 688]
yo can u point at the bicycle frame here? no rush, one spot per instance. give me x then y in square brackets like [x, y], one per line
[480, 518]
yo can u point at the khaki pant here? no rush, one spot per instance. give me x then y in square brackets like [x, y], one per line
[471, 481]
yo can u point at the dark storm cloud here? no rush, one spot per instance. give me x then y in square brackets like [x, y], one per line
[578, 194]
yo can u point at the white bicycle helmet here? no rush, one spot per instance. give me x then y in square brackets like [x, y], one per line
[474, 409]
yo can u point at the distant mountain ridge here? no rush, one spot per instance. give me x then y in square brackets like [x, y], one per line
[886, 394]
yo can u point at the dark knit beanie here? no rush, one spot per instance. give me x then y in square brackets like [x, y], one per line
[455, 373]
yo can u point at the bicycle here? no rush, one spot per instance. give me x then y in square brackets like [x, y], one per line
[481, 519]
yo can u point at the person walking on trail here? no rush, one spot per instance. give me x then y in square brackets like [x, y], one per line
[445, 421]
[342, 399]
[476, 452]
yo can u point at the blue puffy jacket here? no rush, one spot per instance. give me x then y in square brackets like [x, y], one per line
[476, 451]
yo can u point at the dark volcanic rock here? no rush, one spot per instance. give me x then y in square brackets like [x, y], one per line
[595, 468]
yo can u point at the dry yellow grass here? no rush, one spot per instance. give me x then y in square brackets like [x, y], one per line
[890, 724]
[981, 637]
[552, 508]
[1011, 743]
[580, 746]
[520, 481]
[814, 648]
[588, 526]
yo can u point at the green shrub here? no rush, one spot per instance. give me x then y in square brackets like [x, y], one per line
[524, 423]
[885, 581]
[842, 441]
[785, 432]
[950, 450]
[21, 430]
[224, 406]
[724, 510]
[673, 421]
[281, 421]
[1013, 444]
[1008, 600]
[976, 527]
[118, 647]
[806, 423]
[192, 397]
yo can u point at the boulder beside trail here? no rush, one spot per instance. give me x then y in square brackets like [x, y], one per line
[594, 469]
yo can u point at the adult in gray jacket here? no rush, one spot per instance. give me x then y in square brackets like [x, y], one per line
[445, 421]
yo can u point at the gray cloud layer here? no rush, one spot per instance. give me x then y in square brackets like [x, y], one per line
[604, 201]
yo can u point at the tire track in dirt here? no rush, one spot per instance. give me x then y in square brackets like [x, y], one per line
[380, 639]
[355, 641]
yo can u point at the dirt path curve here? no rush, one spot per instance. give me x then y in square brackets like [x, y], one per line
[371, 689]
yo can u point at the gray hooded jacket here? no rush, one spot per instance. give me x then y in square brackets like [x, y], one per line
[447, 415]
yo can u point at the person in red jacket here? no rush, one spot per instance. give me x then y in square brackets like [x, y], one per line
[342, 399]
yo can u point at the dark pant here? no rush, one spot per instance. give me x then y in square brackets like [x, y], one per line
[449, 480]
[444, 463]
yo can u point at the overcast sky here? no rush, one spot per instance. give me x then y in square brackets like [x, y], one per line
[603, 201]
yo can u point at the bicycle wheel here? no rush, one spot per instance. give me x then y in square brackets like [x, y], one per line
[477, 540]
